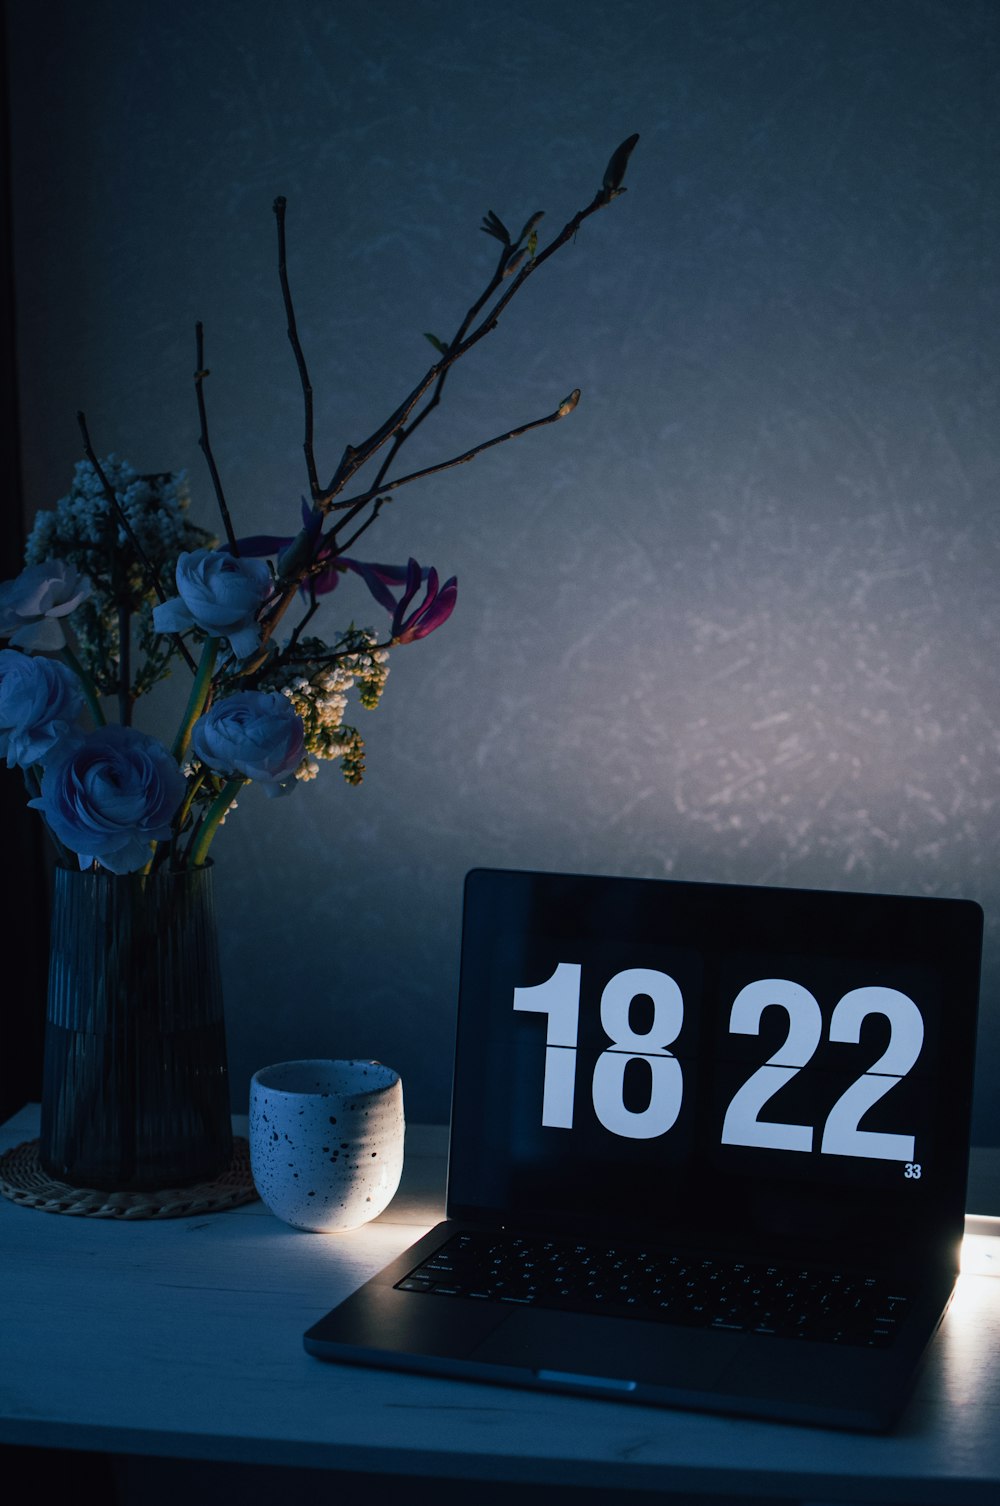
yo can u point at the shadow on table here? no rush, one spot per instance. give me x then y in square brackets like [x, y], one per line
[132, 1480]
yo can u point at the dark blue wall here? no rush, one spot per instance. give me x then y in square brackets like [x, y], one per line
[739, 617]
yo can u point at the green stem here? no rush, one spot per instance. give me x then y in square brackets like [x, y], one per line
[198, 698]
[86, 684]
[198, 851]
[195, 782]
[124, 666]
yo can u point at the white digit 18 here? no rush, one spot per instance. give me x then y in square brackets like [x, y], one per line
[667, 1085]
[559, 999]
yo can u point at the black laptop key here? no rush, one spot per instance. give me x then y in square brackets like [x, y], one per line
[729, 1296]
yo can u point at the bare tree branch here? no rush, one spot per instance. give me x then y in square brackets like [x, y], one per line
[200, 374]
[280, 205]
[355, 503]
[403, 434]
[357, 456]
[518, 260]
[348, 543]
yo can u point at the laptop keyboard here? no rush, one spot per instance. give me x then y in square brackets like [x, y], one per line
[791, 1302]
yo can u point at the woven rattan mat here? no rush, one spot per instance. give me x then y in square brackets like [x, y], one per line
[23, 1181]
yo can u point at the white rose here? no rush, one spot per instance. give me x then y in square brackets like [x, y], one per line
[32, 604]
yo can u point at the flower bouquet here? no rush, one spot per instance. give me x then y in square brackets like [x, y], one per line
[119, 586]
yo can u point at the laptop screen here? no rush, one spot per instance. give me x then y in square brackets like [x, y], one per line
[773, 1071]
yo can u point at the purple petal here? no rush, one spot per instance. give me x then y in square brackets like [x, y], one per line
[256, 545]
[390, 575]
[434, 611]
[373, 577]
[413, 579]
[326, 581]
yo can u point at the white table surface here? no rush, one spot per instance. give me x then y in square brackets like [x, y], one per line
[183, 1338]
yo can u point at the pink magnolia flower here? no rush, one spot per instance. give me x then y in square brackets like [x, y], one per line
[436, 607]
[381, 580]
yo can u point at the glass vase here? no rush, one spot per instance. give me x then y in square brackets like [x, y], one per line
[135, 1091]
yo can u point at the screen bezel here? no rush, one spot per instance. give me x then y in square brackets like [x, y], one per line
[943, 935]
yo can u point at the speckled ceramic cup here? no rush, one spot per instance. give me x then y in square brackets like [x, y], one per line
[326, 1141]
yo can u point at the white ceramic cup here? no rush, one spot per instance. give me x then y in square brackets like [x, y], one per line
[326, 1141]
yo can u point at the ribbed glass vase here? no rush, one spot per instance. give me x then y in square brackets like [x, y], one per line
[135, 1091]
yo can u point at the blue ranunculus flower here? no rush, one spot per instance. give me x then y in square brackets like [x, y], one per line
[40, 699]
[108, 794]
[221, 595]
[257, 733]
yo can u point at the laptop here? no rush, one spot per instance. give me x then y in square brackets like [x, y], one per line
[709, 1147]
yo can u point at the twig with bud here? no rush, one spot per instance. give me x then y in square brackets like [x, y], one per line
[519, 259]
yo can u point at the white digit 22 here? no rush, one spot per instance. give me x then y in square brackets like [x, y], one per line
[841, 1135]
[559, 998]
[805, 1026]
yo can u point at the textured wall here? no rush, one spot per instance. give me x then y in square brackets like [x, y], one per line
[738, 617]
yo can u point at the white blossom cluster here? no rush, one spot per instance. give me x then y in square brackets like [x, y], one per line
[79, 527]
[318, 686]
[84, 530]
[321, 702]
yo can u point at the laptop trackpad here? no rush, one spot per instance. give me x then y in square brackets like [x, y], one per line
[652, 1353]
